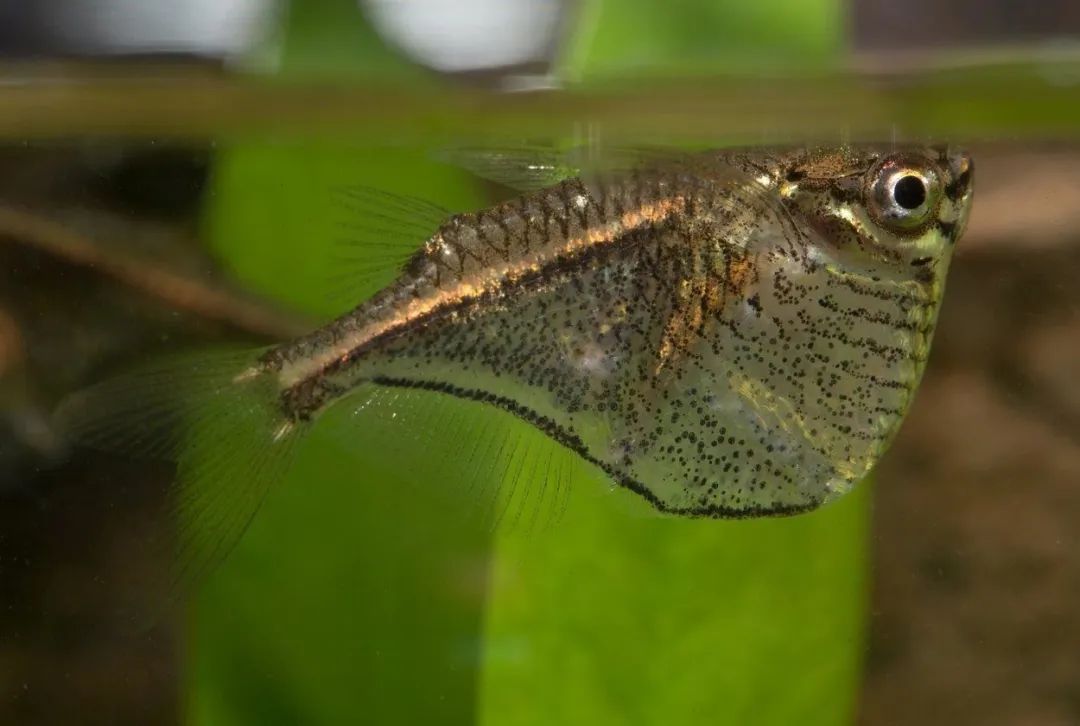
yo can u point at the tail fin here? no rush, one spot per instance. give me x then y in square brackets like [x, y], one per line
[216, 416]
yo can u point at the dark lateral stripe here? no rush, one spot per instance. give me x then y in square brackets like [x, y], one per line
[573, 442]
[878, 294]
[876, 380]
[881, 318]
[882, 350]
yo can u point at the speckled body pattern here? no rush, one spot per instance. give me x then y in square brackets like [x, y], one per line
[730, 335]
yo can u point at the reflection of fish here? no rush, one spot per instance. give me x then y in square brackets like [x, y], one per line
[730, 334]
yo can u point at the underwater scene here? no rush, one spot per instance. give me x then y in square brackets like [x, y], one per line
[539, 362]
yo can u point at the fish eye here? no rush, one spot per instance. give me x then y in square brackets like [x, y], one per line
[910, 192]
[902, 195]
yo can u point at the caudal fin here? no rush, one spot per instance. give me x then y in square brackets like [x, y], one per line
[218, 421]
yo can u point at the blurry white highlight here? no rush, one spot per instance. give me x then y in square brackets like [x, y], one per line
[201, 27]
[463, 35]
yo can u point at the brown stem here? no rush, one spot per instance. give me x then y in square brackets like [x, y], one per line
[175, 289]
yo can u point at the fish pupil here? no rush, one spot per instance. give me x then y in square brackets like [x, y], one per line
[909, 192]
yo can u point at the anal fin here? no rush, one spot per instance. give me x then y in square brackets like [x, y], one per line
[484, 462]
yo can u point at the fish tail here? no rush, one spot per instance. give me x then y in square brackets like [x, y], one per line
[217, 416]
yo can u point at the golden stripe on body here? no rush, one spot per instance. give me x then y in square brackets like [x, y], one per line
[484, 281]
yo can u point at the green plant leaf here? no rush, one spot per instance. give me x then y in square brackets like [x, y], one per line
[357, 598]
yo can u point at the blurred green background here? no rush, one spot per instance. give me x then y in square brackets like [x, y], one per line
[360, 596]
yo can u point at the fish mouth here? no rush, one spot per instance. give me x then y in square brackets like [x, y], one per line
[961, 171]
[958, 190]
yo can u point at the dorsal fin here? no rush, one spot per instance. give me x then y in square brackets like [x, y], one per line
[529, 168]
[524, 169]
[379, 231]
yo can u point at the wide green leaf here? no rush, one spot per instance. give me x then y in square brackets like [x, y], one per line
[361, 595]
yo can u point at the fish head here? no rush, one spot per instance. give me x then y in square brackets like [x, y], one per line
[881, 206]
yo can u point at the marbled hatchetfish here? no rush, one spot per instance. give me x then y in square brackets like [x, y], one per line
[725, 334]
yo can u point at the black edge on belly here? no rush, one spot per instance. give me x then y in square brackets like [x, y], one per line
[575, 444]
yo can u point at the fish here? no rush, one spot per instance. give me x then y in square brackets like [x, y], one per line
[730, 333]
